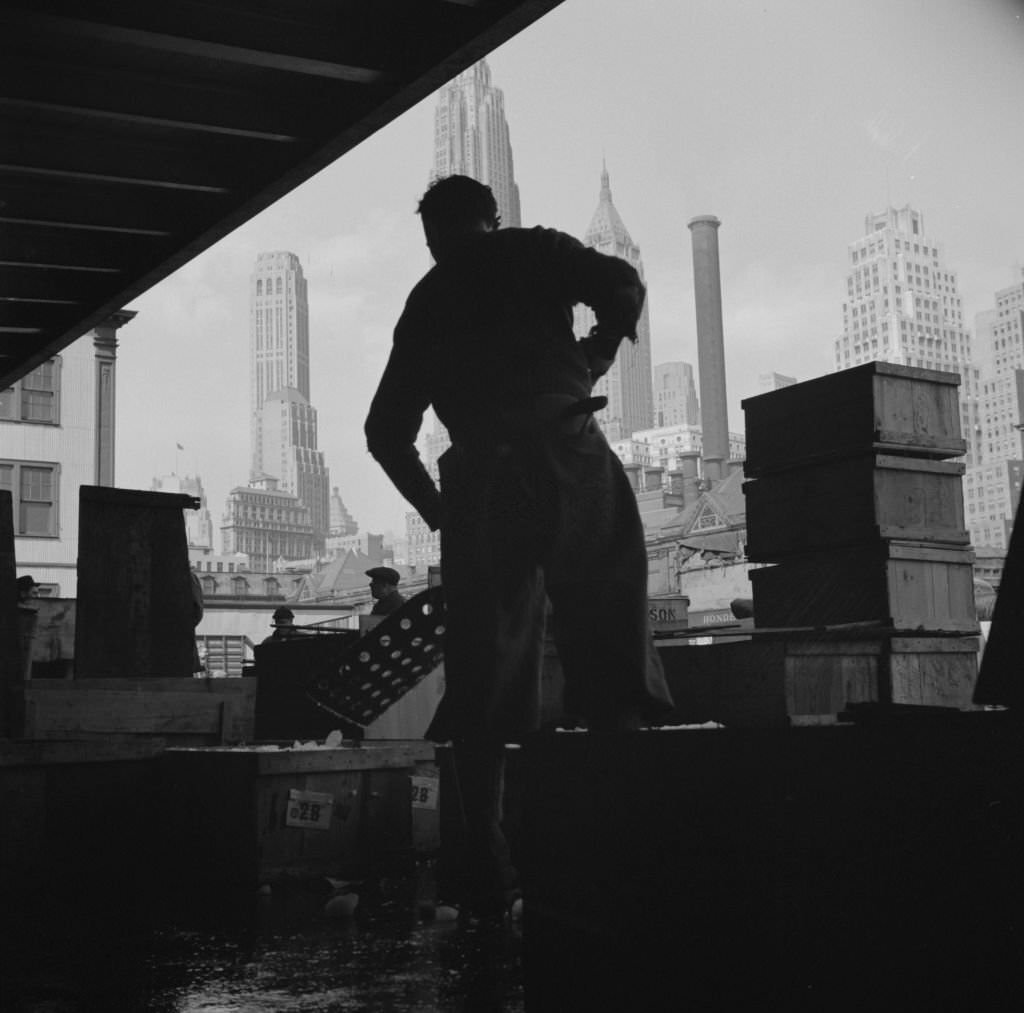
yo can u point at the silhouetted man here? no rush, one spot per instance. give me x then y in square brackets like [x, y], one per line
[532, 498]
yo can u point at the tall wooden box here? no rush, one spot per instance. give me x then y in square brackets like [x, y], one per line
[878, 406]
[257, 814]
[135, 608]
[851, 500]
[904, 585]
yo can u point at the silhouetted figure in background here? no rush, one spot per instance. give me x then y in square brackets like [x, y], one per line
[532, 499]
[198, 609]
[384, 590]
[283, 622]
[28, 590]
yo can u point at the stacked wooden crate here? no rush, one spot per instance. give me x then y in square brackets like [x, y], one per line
[854, 500]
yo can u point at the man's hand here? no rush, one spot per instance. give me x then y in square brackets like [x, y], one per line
[599, 347]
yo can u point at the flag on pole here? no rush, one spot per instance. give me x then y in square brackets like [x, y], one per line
[179, 446]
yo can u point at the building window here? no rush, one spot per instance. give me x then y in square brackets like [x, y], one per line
[239, 586]
[35, 398]
[33, 488]
[209, 586]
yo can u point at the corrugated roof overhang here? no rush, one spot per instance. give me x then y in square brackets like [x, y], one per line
[134, 135]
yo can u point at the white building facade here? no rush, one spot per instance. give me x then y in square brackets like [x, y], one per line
[57, 428]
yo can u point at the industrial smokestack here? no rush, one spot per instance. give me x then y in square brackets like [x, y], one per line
[707, 285]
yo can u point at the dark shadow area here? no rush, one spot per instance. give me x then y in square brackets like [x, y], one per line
[161, 952]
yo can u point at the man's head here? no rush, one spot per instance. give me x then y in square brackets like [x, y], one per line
[383, 580]
[283, 617]
[27, 588]
[453, 208]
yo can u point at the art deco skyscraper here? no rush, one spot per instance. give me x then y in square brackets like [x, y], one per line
[903, 305]
[628, 384]
[471, 138]
[283, 423]
[278, 336]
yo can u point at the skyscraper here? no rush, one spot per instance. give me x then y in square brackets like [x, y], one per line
[283, 423]
[992, 490]
[628, 384]
[471, 138]
[675, 395]
[278, 335]
[903, 306]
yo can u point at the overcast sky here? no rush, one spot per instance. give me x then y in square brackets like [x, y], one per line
[790, 120]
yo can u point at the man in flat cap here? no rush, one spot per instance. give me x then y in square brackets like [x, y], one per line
[384, 589]
[283, 621]
[533, 501]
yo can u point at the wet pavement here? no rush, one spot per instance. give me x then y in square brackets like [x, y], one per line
[269, 952]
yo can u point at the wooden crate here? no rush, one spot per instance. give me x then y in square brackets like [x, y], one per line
[182, 711]
[841, 502]
[236, 816]
[878, 406]
[904, 585]
[824, 677]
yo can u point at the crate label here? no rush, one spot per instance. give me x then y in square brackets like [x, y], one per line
[424, 792]
[310, 810]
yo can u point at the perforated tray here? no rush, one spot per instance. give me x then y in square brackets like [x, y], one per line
[383, 665]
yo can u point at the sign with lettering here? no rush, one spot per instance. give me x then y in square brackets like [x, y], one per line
[310, 810]
[424, 792]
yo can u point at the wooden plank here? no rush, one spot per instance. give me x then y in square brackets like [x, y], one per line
[367, 756]
[244, 686]
[44, 753]
[219, 710]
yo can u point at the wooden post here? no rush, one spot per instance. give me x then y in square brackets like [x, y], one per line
[10, 632]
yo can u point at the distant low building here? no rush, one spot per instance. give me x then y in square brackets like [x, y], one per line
[266, 524]
[198, 523]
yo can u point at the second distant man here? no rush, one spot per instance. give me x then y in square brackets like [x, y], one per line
[384, 589]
